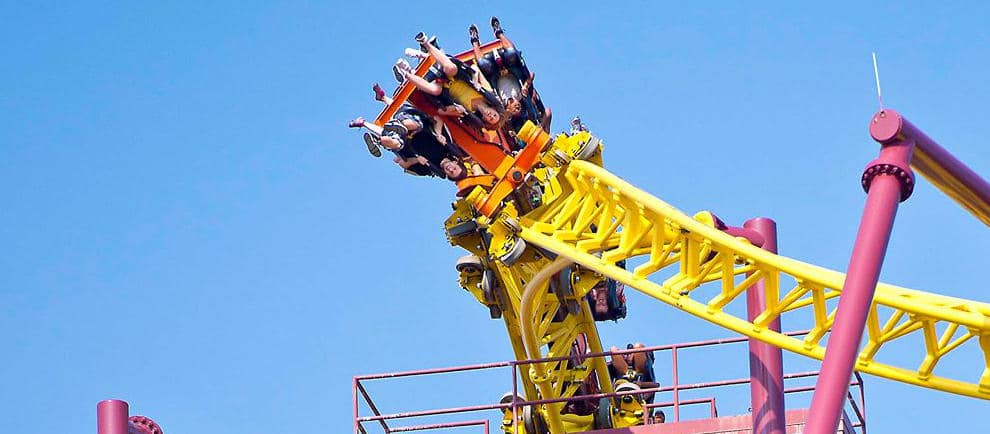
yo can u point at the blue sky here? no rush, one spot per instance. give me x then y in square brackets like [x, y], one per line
[189, 226]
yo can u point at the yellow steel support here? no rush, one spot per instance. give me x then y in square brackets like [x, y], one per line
[644, 226]
[541, 250]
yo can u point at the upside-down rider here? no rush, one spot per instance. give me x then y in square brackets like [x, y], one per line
[511, 80]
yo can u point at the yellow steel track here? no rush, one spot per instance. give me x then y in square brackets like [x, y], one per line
[538, 259]
[602, 219]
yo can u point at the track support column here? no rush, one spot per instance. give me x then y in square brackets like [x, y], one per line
[766, 367]
[887, 180]
[111, 417]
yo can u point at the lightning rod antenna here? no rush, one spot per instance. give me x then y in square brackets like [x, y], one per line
[876, 74]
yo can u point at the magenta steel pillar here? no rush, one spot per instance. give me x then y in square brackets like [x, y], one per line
[887, 180]
[111, 417]
[766, 367]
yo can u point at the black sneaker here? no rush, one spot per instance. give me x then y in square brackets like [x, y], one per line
[421, 38]
[497, 27]
[373, 142]
[399, 73]
[473, 32]
[433, 41]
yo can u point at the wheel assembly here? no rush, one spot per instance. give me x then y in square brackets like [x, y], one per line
[603, 416]
[588, 149]
[516, 252]
[469, 264]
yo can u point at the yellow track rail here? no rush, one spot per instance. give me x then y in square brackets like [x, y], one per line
[600, 219]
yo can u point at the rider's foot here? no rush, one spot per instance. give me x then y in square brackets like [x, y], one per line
[421, 38]
[372, 141]
[416, 54]
[473, 32]
[497, 27]
[379, 92]
[357, 122]
[400, 69]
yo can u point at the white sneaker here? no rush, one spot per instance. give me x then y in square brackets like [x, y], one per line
[401, 65]
[416, 54]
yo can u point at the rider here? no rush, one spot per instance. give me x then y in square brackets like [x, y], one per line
[635, 367]
[419, 141]
[510, 78]
[460, 85]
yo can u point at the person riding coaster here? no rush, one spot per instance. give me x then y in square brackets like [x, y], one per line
[511, 80]
[460, 86]
[636, 368]
[420, 143]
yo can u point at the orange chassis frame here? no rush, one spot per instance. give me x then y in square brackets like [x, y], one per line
[506, 171]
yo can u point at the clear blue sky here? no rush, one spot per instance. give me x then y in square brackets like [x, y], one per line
[188, 225]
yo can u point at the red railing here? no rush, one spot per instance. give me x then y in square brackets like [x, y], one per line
[858, 409]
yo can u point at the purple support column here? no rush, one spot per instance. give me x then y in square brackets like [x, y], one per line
[766, 367]
[888, 180]
[111, 417]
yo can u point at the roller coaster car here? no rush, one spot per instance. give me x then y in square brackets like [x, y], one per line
[627, 410]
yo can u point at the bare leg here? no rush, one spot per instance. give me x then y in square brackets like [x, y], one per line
[545, 122]
[438, 130]
[446, 65]
[506, 43]
[500, 34]
[476, 48]
[639, 359]
[478, 56]
[359, 122]
[375, 129]
[380, 95]
[410, 125]
[390, 143]
[423, 85]
[619, 362]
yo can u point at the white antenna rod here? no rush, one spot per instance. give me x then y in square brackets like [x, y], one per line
[876, 73]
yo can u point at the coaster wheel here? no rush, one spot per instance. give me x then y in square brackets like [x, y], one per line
[516, 252]
[469, 264]
[603, 416]
[533, 422]
[588, 150]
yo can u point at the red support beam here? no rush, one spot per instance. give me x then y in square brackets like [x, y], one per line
[766, 366]
[888, 180]
[111, 417]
